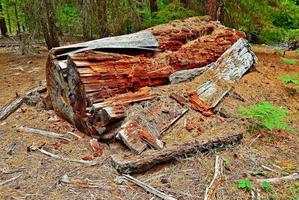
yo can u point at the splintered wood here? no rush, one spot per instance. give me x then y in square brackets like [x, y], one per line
[106, 87]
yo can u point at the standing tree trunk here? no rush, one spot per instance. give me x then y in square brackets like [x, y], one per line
[103, 21]
[17, 17]
[215, 8]
[2, 23]
[86, 21]
[153, 6]
[52, 38]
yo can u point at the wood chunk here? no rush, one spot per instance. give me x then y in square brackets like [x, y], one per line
[181, 100]
[11, 107]
[150, 158]
[228, 69]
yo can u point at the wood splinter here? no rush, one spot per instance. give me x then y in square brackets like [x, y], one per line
[49, 134]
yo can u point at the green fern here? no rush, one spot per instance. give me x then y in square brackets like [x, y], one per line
[266, 115]
[291, 61]
[290, 79]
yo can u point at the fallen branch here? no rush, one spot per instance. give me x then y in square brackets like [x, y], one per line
[150, 158]
[215, 181]
[9, 180]
[147, 188]
[86, 162]
[7, 171]
[10, 108]
[85, 183]
[49, 134]
[292, 177]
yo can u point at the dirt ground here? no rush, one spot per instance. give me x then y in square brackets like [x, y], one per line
[39, 176]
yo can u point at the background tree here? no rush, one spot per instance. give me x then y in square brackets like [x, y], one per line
[3, 27]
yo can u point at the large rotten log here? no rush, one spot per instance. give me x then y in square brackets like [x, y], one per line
[81, 77]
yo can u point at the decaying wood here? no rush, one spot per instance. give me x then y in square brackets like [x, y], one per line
[147, 187]
[146, 124]
[292, 177]
[9, 180]
[188, 75]
[43, 151]
[150, 158]
[11, 107]
[84, 182]
[80, 77]
[49, 134]
[215, 181]
[228, 69]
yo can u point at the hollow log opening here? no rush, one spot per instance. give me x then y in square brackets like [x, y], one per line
[91, 83]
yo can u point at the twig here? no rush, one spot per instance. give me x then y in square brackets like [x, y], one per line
[86, 183]
[86, 162]
[292, 177]
[7, 171]
[10, 180]
[217, 175]
[257, 137]
[174, 121]
[147, 188]
[11, 107]
[267, 168]
[255, 195]
[49, 134]
[75, 135]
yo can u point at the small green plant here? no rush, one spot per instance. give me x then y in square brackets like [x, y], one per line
[245, 184]
[290, 79]
[291, 61]
[297, 50]
[281, 51]
[266, 115]
[266, 186]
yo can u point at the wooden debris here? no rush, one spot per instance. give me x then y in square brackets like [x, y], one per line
[12, 171]
[147, 188]
[181, 100]
[292, 177]
[49, 134]
[218, 80]
[216, 179]
[150, 158]
[11, 107]
[188, 75]
[147, 124]
[85, 183]
[9, 180]
[43, 151]
[95, 146]
[81, 81]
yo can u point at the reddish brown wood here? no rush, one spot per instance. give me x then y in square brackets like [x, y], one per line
[92, 78]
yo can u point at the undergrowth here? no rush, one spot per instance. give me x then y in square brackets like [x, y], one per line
[290, 79]
[265, 115]
[291, 61]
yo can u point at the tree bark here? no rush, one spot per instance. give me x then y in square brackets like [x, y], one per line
[103, 21]
[153, 6]
[3, 27]
[17, 18]
[215, 8]
[52, 40]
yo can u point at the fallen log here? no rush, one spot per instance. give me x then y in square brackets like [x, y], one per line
[150, 158]
[84, 76]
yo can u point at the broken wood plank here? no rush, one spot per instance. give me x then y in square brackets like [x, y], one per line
[228, 69]
[10, 108]
[49, 134]
[150, 158]
[147, 124]
[147, 187]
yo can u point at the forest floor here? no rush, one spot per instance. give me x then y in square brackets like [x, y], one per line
[186, 178]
